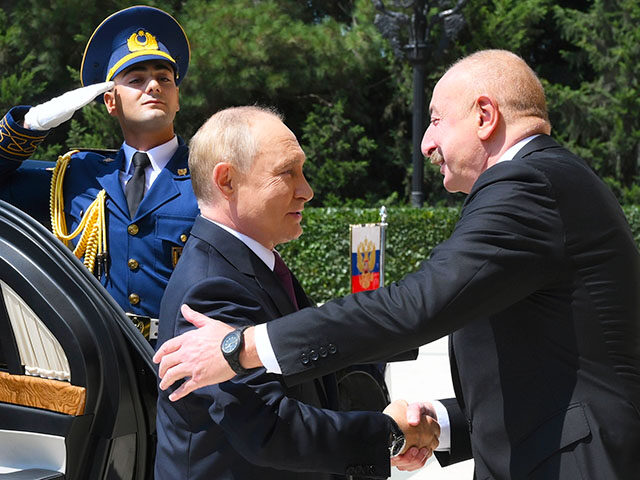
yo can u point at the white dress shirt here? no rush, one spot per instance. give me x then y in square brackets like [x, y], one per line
[158, 156]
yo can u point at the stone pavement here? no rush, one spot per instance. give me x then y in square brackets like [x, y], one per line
[426, 378]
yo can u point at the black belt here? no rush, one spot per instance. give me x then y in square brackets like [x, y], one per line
[148, 326]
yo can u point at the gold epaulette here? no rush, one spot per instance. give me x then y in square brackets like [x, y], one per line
[92, 228]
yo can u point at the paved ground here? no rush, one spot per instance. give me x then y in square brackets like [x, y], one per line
[426, 378]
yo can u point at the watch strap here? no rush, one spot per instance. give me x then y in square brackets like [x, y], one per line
[397, 439]
[233, 358]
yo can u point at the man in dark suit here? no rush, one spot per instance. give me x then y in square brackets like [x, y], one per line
[247, 176]
[537, 287]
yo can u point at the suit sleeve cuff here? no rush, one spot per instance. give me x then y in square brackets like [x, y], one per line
[265, 350]
[16, 142]
[445, 426]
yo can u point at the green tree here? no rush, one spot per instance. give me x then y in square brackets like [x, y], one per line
[342, 88]
[338, 152]
[597, 116]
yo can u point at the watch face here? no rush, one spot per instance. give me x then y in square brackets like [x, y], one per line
[230, 342]
[397, 445]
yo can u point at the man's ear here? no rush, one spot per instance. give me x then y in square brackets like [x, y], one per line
[488, 116]
[110, 102]
[223, 178]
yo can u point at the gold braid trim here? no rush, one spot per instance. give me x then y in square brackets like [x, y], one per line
[93, 239]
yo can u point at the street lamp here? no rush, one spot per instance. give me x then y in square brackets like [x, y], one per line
[420, 23]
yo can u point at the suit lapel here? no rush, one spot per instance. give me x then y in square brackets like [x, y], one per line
[301, 297]
[162, 191]
[245, 261]
[248, 263]
[270, 283]
[164, 187]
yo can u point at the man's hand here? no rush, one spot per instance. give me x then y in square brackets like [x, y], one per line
[194, 355]
[60, 109]
[421, 431]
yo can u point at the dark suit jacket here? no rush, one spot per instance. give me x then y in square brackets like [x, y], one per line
[539, 287]
[253, 427]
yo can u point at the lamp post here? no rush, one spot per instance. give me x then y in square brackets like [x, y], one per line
[415, 50]
[417, 55]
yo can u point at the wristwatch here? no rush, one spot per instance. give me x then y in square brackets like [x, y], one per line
[396, 440]
[231, 347]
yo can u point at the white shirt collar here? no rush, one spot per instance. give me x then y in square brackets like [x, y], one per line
[511, 151]
[266, 255]
[159, 156]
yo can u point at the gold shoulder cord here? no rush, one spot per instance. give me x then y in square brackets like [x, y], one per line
[93, 241]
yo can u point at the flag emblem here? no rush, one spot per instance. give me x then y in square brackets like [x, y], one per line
[365, 257]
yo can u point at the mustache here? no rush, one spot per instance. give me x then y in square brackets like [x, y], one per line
[436, 158]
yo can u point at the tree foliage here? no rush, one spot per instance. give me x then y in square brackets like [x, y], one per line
[341, 87]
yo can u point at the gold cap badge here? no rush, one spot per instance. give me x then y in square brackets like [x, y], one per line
[142, 40]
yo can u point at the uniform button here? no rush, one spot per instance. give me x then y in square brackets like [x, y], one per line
[133, 264]
[332, 348]
[304, 359]
[134, 298]
[133, 229]
[183, 238]
[323, 352]
[314, 355]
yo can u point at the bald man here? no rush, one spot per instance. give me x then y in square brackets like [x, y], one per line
[537, 286]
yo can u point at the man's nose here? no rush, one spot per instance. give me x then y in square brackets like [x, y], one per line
[304, 190]
[427, 146]
[152, 85]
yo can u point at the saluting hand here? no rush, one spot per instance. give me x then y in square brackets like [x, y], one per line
[60, 109]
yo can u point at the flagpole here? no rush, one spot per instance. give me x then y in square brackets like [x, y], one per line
[383, 231]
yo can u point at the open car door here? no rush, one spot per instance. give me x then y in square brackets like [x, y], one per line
[77, 384]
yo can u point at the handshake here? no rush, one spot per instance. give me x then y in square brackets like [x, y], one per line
[418, 422]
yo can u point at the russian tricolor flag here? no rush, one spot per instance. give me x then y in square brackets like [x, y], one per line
[365, 257]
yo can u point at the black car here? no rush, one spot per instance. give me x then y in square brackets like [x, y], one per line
[77, 384]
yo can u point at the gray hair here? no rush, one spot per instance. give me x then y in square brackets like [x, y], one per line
[226, 137]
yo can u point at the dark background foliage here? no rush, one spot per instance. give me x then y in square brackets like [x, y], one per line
[346, 93]
[321, 256]
[343, 89]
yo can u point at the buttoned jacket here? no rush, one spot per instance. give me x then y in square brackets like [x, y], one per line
[538, 288]
[254, 426]
[142, 251]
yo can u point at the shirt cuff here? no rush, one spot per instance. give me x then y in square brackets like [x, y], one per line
[445, 427]
[265, 350]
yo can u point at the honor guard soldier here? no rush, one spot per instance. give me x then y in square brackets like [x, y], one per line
[127, 215]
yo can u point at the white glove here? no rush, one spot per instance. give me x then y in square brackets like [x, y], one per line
[60, 109]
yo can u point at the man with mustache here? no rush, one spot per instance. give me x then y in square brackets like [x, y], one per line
[537, 287]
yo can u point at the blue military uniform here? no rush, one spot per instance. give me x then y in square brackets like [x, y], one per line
[141, 251]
